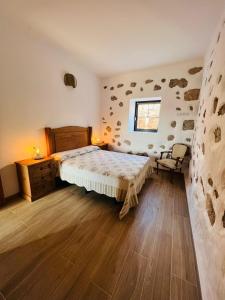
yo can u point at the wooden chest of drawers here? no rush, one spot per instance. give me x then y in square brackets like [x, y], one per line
[36, 177]
[102, 146]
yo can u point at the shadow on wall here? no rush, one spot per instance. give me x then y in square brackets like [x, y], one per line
[9, 171]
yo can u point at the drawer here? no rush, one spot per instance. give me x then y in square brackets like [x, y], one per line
[42, 169]
[43, 176]
[42, 188]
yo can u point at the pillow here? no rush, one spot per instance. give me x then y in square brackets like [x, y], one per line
[73, 153]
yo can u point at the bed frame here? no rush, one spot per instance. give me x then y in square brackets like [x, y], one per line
[67, 138]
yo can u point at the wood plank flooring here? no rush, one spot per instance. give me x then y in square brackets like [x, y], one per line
[71, 245]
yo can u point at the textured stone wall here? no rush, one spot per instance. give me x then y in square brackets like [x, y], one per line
[206, 184]
[178, 85]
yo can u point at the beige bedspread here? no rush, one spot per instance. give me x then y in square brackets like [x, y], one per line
[114, 174]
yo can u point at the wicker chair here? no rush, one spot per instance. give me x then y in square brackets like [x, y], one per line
[174, 158]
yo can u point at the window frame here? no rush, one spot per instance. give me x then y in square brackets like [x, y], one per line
[136, 115]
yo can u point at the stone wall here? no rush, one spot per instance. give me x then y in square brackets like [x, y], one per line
[178, 85]
[206, 184]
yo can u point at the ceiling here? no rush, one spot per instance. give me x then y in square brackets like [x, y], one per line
[123, 35]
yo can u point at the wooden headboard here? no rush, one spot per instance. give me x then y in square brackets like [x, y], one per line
[67, 138]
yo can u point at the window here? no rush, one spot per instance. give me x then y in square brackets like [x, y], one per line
[146, 117]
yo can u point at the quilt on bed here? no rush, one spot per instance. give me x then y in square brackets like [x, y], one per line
[114, 174]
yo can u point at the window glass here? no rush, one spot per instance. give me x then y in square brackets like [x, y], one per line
[147, 115]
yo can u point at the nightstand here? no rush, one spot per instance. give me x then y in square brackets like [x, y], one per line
[36, 177]
[102, 146]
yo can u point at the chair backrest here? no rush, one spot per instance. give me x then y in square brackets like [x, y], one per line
[179, 150]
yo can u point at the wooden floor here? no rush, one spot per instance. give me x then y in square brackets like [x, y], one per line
[71, 245]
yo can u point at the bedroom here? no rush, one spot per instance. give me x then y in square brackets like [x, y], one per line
[79, 73]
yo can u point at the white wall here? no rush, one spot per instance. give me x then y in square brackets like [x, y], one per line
[140, 141]
[33, 95]
[207, 173]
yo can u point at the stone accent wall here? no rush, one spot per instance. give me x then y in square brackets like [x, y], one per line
[178, 85]
[206, 192]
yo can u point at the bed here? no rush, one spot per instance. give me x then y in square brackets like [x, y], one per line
[115, 174]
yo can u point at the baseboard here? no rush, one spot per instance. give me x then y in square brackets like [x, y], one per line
[9, 199]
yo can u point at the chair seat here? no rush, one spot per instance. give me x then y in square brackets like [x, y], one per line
[169, 163]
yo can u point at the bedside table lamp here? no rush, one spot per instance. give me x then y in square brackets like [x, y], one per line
[96, 141]
[37, 153]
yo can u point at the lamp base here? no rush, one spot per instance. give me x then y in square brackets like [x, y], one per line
[37, 157]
